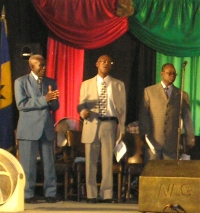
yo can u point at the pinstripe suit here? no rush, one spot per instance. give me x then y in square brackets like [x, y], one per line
[159, 118]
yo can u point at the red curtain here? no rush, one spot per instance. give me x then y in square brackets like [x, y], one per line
[65, 65]
[84, 24]
[81, 24]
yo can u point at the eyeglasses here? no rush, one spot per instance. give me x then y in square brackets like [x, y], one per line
[171, 73]
[105, 62]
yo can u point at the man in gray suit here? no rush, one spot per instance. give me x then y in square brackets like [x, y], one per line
[100, 129]
[159, 116]
[35, 102]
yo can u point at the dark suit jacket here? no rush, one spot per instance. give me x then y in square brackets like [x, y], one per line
[159, 117]
[34, 112]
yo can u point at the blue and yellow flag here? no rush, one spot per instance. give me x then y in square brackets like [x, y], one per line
[6, 97]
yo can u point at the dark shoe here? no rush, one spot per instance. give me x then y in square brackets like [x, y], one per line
[30, 200]
[91, 200]
[52, 200]
[108, 201]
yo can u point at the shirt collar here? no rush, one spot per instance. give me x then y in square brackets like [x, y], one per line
[100, 79]
[169, 87]
[34, 75]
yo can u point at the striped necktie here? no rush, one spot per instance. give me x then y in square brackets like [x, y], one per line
[40, 83]
[103, 99]
[166, 91]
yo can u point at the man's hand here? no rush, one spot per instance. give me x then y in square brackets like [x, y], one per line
[51, 95]
[86, 113]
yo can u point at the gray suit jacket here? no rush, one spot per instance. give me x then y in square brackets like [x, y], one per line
[89, 100]
[34, 112]
[159, 117]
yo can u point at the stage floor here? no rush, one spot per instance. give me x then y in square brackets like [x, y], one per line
[74, 206]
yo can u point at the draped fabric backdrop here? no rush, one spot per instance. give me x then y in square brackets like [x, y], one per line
[168, 27]
[82, 25]
[65, 65]
[172, 29]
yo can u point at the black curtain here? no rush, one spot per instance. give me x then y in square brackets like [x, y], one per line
[134, 63]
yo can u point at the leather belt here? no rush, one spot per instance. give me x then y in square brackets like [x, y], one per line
[112, 118]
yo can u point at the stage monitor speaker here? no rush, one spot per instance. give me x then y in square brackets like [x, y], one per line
[22, 53]
[170, 186]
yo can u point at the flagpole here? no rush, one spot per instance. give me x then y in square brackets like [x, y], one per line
[3, 12]
[2, 18]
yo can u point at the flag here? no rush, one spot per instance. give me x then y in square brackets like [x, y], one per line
[6, 97]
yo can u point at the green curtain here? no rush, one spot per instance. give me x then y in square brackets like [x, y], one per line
[171, 27]
[191, 81]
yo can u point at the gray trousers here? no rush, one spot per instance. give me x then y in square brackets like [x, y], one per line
[28, 151]
[102, 145]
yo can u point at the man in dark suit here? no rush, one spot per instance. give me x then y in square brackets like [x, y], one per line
[159, 116]
[100, 126]
[36, 97]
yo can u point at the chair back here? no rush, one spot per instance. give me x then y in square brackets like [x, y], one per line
[62, 128]
[74, 140]
[134, 146]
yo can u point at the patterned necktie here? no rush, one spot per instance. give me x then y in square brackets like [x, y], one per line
[166, 91]
[40, 83]
[103, 99]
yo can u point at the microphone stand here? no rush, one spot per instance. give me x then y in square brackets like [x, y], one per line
[179, 146]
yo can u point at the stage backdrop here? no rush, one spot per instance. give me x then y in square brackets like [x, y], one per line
[169, 27]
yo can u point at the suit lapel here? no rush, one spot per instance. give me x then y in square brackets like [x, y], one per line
[34, 84]
[45, 85]
[161, 91]
[114, 89]
[175, 93]
[94, 87]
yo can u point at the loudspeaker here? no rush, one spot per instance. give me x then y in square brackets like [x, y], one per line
[170, 186]
[21, 54]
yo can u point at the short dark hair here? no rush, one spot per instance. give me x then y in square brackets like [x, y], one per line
[105, 55]
[167, 64]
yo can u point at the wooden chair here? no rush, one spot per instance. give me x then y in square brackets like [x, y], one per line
[68, 133]
[118, 169]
